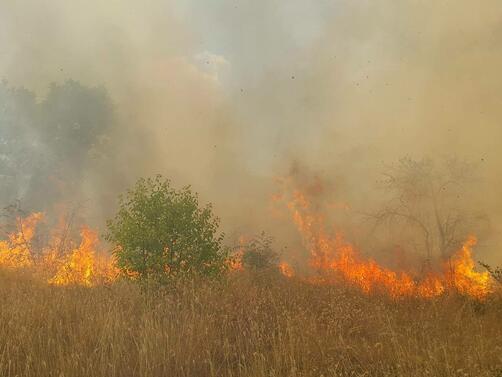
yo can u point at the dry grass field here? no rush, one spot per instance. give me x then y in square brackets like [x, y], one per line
[243, 326]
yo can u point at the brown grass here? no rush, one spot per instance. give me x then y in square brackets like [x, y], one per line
[243, 326]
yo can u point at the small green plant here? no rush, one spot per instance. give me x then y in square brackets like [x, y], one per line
[258, 253]
[159, 232]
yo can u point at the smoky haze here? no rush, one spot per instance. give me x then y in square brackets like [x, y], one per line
[225, 95]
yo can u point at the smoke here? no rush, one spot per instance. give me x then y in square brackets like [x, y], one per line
[225, 95]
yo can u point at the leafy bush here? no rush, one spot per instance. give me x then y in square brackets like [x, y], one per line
[160, 232]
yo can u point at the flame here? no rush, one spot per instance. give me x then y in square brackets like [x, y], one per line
[286, 269]
[78, 267]
[81, 265]
[462, 274]
[235, 262]
[332, 257]
[15, 252]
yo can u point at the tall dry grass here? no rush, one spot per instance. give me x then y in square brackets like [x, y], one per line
[244, 326]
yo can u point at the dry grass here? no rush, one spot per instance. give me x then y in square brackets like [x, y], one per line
[241, 327]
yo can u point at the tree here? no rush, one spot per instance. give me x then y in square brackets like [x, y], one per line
[18, 150]
[71, 124]
[159, 232]
[430, 197]
[46, 146]
[72, 120]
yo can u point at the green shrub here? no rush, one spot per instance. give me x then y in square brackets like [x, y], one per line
[159, 232]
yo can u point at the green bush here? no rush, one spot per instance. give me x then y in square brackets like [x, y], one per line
[159, 232]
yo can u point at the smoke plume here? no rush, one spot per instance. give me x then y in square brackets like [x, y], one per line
[226, 95]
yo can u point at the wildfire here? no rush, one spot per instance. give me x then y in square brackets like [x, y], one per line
[286, 269]
[234, 262]
[332, 257]
[81, 265]
[462, 274]
[15, 252]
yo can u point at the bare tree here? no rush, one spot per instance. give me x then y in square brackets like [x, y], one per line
[430, 197]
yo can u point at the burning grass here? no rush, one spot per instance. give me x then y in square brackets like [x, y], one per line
[245, 325]
[62, 262]
[332, 256]
[66, 312]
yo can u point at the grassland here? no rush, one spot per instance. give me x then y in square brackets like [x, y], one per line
[243, 326]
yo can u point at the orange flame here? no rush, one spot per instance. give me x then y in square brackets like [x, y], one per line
[333, 257]
[235, 262]
[16, 251]
[286, 269]
[330, 255]
[462, 274]
[83, 265]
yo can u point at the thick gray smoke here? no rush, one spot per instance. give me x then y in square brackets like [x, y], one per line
[227, 94]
